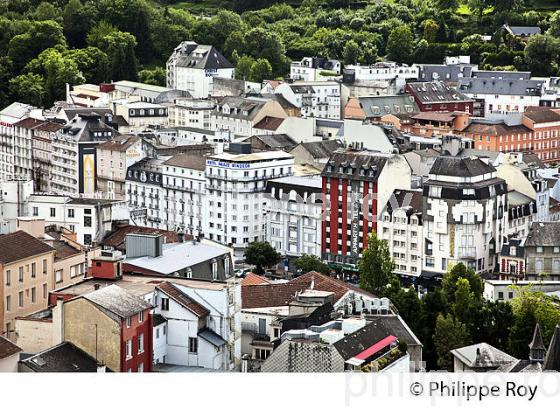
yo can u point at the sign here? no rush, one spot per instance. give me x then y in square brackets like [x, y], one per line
[222, 164]
[138, 213]
[89, 173]
[355, 228]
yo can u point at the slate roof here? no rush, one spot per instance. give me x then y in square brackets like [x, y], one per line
[388, 104]
[187, 160]
[537, 341]
[158, 320]
[62, 358]
[252, 105]
[409, 198]
[494, 128]
[72, 112]
[496, 86]
[552, 359]
[321, 149]
[120, 143]
[175, 293]
[434, 116]
[269, 123]
[8, 348]
[200, 56]
[510, 75]
[519, 249]
[212, 337]
[523, 31]
[20, 245]
[117, 302]
[460, 167]
[358, 161]
[451, 73]
[277, 141]
[544, 234]
[436, 92]
[542, 116]
[483, 355]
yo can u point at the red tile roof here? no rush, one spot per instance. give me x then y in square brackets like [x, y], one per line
[174, 293]
[253, 279]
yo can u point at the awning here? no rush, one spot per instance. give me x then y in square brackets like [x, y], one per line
[370, 351]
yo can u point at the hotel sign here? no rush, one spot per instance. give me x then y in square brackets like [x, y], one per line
[355, 228]
[222, 164]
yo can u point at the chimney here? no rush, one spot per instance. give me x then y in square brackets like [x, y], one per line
[96, 286]
[138, 245]
[101, 368]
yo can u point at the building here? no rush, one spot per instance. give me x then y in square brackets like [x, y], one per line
[511, 260]
[451, 72]
[113, 159]
[191, 112]
[315, 153]
[116, 238]
[113, 326]
[148, 255]
[142, 115]
[356, 185]
[374, 108]
[400, 225]
[192, 67]
[26, 265]
[498, 135]
[240, 115]
[542, 251]
[321, 99]
[236, 203]
[62, 358]
[545, 127]
[9, 356]
[272, 142]
[465, 215]
[382, 71]
[438, 96]
[522, 211]
[294, 214]
[516, 31]
[314, 69]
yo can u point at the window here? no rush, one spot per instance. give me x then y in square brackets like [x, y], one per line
[8, 277]
[20, 299]
[129, 349]
[87, 221]
[44, 291]
[44, 266]
[8, 303]
[58, 276]
[193, 345]
[33, 295]
[21, 273]
[539, 249]
[53, 212]
[500, 295]
[70, 213]
[33, 269]
[141, 343]
[140, 317]
[214, 270]
[87, 239]
[165, 304]
[35, 211]
[129, 321]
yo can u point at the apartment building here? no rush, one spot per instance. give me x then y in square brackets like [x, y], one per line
[314, 69]
[26, 265]
[191, 112]
[320, 99]
[542, 252]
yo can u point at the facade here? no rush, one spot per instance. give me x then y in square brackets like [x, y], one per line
[465, 215]
[294, 214]
[321, 99]
[112, 325]
[542, 251]
[511, 260]
[141, 115]
[545, 127]
[438, 96]
[314, 69]
[400, 224]
[355, 185]
[26, 265]
[382, 71]
[191, 112]
[192, 67]
[235, 207]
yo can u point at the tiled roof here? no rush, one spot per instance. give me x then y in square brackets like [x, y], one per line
[116, 239]
[460, 167]
[321, 149]
[20, 245]
[7, 348]
[174, 293]
[542, 116]
[120, 143]
[187, 160]
[354, 110]
[117, 302]
[253, 279]
[269, 123]
[494, 128]
[277, 141]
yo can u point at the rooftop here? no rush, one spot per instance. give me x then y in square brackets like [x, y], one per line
[116, 238]
[544, 234]
[117, 302]
[187, 160]
[7, 348]
[254, 157]
[175, 293]
[61, 358]
[460, 166]
[21, 245]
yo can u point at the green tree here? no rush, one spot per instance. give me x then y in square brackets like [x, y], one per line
[119, 47]
[46, 11]
[431, 29]
[449, 334]
[352, 53]
[262, 255]
[460, 271]
[400, 44]
[154, 76]
[308, 263]
[554, 21]
[28, 88]
[261, 70]
[376, 265]
[92, 63]
[78, 19]
[542, 54]
[243, 67]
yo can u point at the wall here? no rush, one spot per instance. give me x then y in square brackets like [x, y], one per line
[9, 364]
[36, 335]
[80, 317]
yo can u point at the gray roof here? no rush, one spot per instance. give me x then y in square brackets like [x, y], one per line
[388, 104]
[62, 358]
[516, 198]
[212, 337]
[277, 141]
[524, 31]
[17, 110]
[251, 105]
[502, 75]
[504, 86]
[451, 73]
[483, 355]
[460, 167]
[552, 360]
[117, 302]
[177, 256]
[321, 149]
[544, 234]
[436, 92]
[206, 57]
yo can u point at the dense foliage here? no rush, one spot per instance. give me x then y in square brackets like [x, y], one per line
[46, 43]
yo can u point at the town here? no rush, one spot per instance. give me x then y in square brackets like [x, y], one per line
[388, 217]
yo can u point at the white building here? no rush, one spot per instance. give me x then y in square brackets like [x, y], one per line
[12, 203]
[294, 211]
[400, 224]
[321, 99]
[465, 215]
[141, 115]
[235, 207]
[382, 71]
[190, 112]
[314, 69]
[192, 67]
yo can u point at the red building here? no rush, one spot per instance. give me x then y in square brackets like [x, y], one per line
[438, 96]
[356, 186]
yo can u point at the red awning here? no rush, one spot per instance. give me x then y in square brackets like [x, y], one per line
[375, 348]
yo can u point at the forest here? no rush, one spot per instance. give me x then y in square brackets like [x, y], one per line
[44, 45]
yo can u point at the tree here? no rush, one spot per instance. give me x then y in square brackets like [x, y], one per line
[554, 29]
[92, 62]
[155, 76]
[78, 19]
[460, 271]
[542, 53]
[243, 67]
[46, 11]
[447, 4]
[376, 265]
[119, 47]
[352, 53]
[308, 263]
[261, 70]
[400, 44]
[449, 334]
[431, 29]
[28, 88]
[262, 255]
